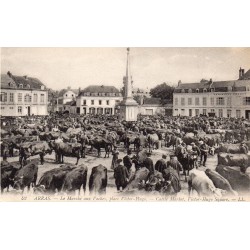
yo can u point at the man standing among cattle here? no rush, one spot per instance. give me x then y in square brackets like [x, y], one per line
[175, 164]
[127, 161]
[121, 175]
[161, 164]
[204, 151]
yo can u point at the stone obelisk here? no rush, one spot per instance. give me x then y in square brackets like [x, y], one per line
[128, 106]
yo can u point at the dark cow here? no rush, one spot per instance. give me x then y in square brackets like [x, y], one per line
[53, 180]
[66, 149]
[233, 159]
[100, 142]
[219, 181]
[98, 180]
[239, 180]
[8, 172]
[76, 179]
[26, 176]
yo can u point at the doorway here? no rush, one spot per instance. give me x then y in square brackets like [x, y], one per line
[28, 110]
[248, 114]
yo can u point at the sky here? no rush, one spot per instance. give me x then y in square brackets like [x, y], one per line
[59, 68]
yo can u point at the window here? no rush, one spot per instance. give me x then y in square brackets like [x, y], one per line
[212, 90]
[204, 112]
[189, 101]
[66, 95]
[100, 102]
[3, 97]
[197, 90]
[246, 101]
[107, 102]
[42, 100]
[197, 112]
[19, 110]
[20, 97]
[204, 90]
[197, 101]
[212, 101]
[212, 111]
[27, 98]
[220, 112]
[238, 113]
[183, 91]
[204, 101]
[229, 113]
[20, 86]
[11, 97]
[182, 101]
[176, 101]
[35, 98]
[2, 107]
[220, 101]
[229, 101]
[92, 102]
[84, 102]
[11, 107]
[28, 86]
[229, 88]
[190, 91]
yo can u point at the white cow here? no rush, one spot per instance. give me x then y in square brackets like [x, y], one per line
[201, 183]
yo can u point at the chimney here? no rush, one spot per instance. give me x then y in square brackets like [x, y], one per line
[69, 88]
[25, 77]
[211, 80]
[79, 90]
[9, 74]
[240, 73]
[179, 82]
[141, 99]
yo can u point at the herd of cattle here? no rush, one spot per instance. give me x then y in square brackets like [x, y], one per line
[77, 136]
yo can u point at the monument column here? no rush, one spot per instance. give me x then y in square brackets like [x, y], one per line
[129, 107]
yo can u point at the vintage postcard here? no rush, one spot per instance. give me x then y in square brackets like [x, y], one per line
[125, 124]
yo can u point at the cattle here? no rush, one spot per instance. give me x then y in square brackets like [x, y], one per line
[204, 186]
[66, 149]
[140, 177]
[239, 180]
[172, 178]
[232, 149]
[75, 179]
[52, 181]
[8, 172]
[98, 180]
[220, 182]
[100, 142]
[26, 176]
[233, 159]
[153, 141]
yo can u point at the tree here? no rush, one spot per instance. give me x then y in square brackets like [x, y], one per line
[164, 92]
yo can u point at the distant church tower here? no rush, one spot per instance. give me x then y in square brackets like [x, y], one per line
[128, 106]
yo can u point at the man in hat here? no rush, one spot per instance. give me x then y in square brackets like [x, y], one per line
[161, 164]
[204, 151]
[127, 160]
[149, 164]
[115, 154]
[121, 175]
[175, 164]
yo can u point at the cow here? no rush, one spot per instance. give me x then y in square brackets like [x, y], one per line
[26, 176]
[232, 149]
[8, 172]
[204, 186]
[52, 181]
[220, 182]
[239, 180]
[98, 180]
[153, 141]
[66, 149]
[75, 179]
[233, 159]
[100, 142]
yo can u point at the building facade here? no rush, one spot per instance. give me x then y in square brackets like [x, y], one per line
[220, 99]
[22, 96]
[65, 99]
[98, 99]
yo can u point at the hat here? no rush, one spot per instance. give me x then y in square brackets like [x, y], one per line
[148, 153]
[192, 143]
[119, 160]
[129, 151]
[164, 156]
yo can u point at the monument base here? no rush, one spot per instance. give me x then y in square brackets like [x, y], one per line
[129, 110]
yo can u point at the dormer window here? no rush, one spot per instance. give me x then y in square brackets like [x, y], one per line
[190, 91]
[197, 90]
[21, 86]
[183, 91]
[212, 90]
[205, 90]
[229, 88]
[42, 87]
[28, 86]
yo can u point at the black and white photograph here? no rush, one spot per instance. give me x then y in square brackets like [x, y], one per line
[125, 124]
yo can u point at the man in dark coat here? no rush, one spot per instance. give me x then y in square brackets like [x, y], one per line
[121, 175]
[148, 163]
[161, 164]
[127, 161]
[175, 164]
[204, 151]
